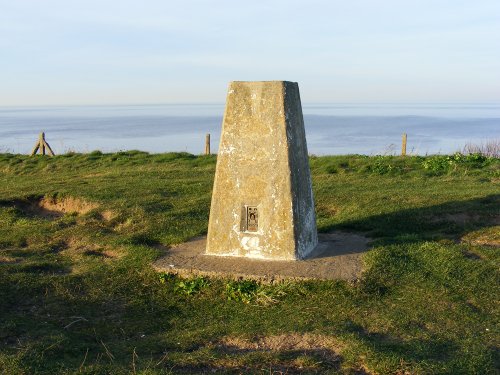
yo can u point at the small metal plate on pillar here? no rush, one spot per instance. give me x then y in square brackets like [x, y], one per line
[252, 219]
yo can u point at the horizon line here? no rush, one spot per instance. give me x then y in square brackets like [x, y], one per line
[310, 103]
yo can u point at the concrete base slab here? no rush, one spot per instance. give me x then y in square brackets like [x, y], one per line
[337, 256]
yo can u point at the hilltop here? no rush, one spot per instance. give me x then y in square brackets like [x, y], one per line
[78, 293]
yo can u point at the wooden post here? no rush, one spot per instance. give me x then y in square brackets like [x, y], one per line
[207, 144]
[42, 146]
[403, 146]
[47, 147]
[37, 146]
[41, 141]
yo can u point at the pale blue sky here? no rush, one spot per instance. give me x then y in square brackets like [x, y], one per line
[159, 51]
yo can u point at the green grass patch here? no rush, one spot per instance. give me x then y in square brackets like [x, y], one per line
[78, 293]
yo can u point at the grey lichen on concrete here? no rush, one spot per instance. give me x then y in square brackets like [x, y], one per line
[262, 201]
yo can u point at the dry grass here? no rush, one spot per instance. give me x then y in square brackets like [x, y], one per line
[290, 341]
[489, 148]
[300, 351]
[66, 205]
[485, 237]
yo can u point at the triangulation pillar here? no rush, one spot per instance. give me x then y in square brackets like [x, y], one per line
[262, 201]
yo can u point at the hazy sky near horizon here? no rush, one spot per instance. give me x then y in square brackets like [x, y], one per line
[56, 52]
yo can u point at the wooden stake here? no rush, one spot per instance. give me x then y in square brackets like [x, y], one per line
[48, 148]
[41, 143]
[42, 146]
[207, 144]
[37, 146]
[403, 146]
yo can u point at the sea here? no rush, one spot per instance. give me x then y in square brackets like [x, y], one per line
[331, 128]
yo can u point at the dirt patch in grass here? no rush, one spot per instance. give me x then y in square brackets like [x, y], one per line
[108, 215]
[7, 259]
[291, 341]
[78, 249]
[484, 237]
[51, 207]
[487, 242]
[66, 205]
[294, 352]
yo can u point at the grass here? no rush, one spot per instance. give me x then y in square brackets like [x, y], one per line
[78, 294]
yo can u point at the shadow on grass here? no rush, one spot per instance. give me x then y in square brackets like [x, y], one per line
[98, 317]
[450, 221]
[413, 350]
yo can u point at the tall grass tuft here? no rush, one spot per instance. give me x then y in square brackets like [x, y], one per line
[489, 148]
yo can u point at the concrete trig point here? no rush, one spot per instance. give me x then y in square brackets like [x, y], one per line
[262, 202]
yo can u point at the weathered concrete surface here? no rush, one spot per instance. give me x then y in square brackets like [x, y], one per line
[262, 202]
[337, 256]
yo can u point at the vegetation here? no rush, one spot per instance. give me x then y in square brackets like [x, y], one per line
[78, 233]
[490, 148]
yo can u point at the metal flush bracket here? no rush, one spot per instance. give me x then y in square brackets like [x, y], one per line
[252, 219]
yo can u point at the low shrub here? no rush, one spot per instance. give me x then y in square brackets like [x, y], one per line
[444, 163]
[191, 286]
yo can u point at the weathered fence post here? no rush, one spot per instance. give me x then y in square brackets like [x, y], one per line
[42, 145]
[207, 144]
[403, 146]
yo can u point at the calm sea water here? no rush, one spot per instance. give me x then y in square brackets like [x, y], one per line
[339, 128]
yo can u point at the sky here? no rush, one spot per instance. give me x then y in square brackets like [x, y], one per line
[72, 52]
